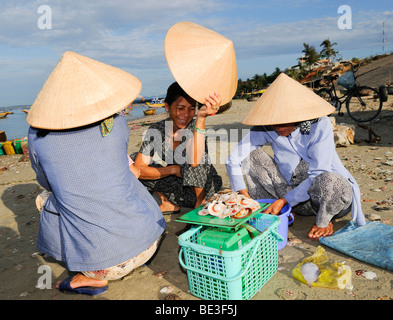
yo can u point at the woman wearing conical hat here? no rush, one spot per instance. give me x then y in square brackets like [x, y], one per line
[305, 171]
[99, 219]
[203, 64]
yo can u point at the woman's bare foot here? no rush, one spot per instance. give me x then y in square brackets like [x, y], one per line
[317, 232]
[80, 280]
[166, 205]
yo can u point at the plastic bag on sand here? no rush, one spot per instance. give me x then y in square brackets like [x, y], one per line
[332, 275]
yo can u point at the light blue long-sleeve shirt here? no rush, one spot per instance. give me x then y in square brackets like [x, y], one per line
[317, 148]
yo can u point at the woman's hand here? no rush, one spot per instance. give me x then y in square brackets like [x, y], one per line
[276, 206]
[211, 106]
[244, 192]
[175, 170]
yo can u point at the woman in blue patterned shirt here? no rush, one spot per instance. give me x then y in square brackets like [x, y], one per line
[99, 219]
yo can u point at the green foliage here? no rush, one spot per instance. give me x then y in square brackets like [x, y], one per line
[328, 51]
[258, 82]
[310, 54]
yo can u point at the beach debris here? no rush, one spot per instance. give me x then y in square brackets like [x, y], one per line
[293, 242]
[317, 271]
[172, 296]
[161, 274]
[359, 272]
[369, 275]
[166, 289]
[344, 134]
[229, 204]
[386, 221]
[14, 250]
[366, 274]
[310, 272]
[372, 136]
[18, 267]
[379, 208]
[373, 217]
[287, 294]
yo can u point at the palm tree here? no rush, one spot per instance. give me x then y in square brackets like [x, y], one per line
[327, 52]
[311, 55]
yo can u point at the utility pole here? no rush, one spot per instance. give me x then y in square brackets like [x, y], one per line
[384, 49]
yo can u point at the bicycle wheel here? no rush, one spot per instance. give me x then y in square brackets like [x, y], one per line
[364, 104]
[327, 95]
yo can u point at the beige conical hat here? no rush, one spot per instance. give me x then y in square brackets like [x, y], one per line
[202, 61]
[287, 101]
[81, 91]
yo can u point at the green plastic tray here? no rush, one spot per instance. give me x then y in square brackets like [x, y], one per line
[192, 217]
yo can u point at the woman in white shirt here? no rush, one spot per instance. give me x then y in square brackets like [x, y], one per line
[306, 171]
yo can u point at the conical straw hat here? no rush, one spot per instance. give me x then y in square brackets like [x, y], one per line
[81, 91]
[202, 61]
[287, 101]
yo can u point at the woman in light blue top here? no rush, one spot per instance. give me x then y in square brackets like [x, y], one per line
[305, 171]
[99, 219]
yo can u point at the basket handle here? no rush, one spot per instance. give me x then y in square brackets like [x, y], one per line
[221, 278]
[279, 236]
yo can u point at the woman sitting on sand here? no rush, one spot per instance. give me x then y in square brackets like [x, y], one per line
[188, 177]
[201, 61]
[99, 219]
[306, 171]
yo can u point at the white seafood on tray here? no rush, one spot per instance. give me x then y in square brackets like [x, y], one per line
[229, 204]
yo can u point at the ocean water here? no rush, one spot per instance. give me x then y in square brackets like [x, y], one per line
[16, 127]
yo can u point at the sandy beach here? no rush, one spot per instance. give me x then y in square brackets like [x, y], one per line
[370, 163]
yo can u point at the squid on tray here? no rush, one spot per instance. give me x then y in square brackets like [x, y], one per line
[230, 204]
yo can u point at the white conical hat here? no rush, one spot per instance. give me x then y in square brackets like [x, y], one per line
[287, 101]
[202, 61]
[81, 91]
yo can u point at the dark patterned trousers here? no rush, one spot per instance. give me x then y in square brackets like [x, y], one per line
[180, 191]
[330, 193]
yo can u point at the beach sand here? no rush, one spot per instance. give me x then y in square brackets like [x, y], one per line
[19, 224]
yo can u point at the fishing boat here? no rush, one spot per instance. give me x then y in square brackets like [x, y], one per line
[25, 111]
[150, 111]
[4, 114]
[156, 103]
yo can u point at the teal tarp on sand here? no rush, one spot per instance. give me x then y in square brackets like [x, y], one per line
[371, 243]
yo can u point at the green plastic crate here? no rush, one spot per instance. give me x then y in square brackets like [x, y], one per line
[215, 274]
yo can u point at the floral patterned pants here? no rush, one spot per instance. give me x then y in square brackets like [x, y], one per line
[330, 193]
[121, 270]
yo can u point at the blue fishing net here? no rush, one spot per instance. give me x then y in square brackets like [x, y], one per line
[371, 243]
[347, 80]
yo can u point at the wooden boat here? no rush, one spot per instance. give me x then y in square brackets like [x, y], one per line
[4, 114]
[25, 111]
[150, 111]
[155, 105]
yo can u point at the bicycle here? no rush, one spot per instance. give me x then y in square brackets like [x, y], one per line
[363, 103]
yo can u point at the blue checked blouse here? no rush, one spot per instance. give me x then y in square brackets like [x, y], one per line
[99, 215]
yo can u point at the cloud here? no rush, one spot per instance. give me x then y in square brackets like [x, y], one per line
[288, 38]
[130, 34]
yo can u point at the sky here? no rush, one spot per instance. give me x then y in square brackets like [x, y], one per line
[130, 34]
